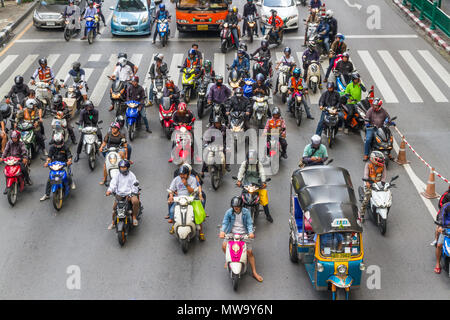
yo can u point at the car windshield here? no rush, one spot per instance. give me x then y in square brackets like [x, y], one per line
[338, 244]
[201, 5]
[131, 6]
[54, 2]
[279, 3]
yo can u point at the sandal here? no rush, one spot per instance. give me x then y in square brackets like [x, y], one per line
[437, 270]
[135, 222]
[167, 217]
[111, 226]
[102, 182]
[201, 237]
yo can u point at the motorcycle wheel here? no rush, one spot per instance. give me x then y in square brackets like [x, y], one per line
[216, 179]
[330, 136]
[261, 123]
[200, 108]
[121, 236]
[58, 199]
[67, 34]
[132, 132]
[184, 245]
[91, 36]
[12, 194]
[235, 281]
[187, 96]
[223, 47]
[91, 160]
[293, 255]
[314, 87]
[251, 34]
[283, 97]
[382, 224]
[167, 132]
[298, 115]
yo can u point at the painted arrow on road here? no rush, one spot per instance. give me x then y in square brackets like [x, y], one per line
[356, 5]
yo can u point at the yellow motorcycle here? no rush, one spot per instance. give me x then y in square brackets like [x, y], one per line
[189, 83]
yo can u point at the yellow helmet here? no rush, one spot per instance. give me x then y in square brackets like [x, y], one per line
[235, 9]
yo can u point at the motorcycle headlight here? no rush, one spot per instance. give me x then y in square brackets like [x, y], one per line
[342, 269]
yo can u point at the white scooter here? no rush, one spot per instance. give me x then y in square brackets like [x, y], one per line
[59, 125]
[313, 78]
[44, 95]
[380, 202]
[283, 81]
[112, 160]
[184, 227]
[236, 257]
[260, 110]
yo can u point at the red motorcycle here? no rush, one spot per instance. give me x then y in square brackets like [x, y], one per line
[183, 143]
[14, 178]
[166, 110]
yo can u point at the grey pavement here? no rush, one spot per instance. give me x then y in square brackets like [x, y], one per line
[38, 244]
[12, 11]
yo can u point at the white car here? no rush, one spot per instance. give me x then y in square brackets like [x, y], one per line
[286, 10]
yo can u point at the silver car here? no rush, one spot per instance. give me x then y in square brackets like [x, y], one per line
[49, 13]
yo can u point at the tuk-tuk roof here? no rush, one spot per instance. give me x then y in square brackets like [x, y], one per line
[327, 193]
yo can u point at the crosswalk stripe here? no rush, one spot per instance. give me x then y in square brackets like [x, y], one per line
[147, 80]
[103, 83]
[174, 71]
[432, 88]
[436, 66]
[95, 57]
[378, 77]
[20, 70]
[89, 71]
[400, 76]
[219, 64]
[7, 62]
[136, 59]
[67, 65]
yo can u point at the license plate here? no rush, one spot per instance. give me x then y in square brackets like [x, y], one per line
[202, 27]
[50, 23]
[129, 29]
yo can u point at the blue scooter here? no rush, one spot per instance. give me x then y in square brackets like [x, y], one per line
[59, 179]
[133, 118]
[162, 25]
[248, 87]
[445, 255]
[91, 28]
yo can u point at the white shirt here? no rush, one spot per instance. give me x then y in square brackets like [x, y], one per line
[284, 61]
[123, 73]
[238, 227]
[123, 185]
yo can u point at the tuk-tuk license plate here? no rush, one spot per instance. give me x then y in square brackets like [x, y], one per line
[202, 27]
[129, 29]
[341, 256]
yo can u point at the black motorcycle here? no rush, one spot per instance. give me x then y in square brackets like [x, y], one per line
[202, 103]
[272, 36]
[69, 28]
[250, 197]
[124, 217]
[117, 95]
[258, 67]
[250, 20]
[330, 124]
[383, 139]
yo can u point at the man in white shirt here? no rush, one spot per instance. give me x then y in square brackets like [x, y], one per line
[123, 71]
[123, 185]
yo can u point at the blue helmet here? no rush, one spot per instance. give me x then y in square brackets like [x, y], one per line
[192, 51]
[162, 7]
[296, 72]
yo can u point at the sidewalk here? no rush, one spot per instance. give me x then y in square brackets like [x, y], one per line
[12, 12]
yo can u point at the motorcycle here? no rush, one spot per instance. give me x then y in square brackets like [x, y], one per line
[357, 122]
[166, 110]
[380, 202]
[158, 90]
[383, 140]
[296, 104]
[248, 87]
[91, 145]
[163, 31]
[112, 160]
[234, 78]
[236, 257]
[237, 121]
[283, 81]
[311, 31]
[189, 83]
[69, 28]
[217, 111]
[320, 46]
[272, 36]
[59, 179]
[183, 143]
[28, 137]
[250, 197]
[15, 100]
[258, 67]
[313, 77]
[445, 247]
[133, 118]
[250, 20]
[202, 104]
[185, 228]
[215, 160]
[91, 28]
[260, 110]
[330, 124]
[341, 85]
[15, 181]
[124, 216]
[44, 95]
[73, 97]
[226, 38]
[118, 96]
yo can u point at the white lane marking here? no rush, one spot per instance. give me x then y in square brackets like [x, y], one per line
[147, 80]
[136, 59]
[378, 77]
[20, 70]
[108, 20]
[67, 65]
[103, 82]
[95, 57]
[400, 76]
[89, 71]
[432, 88]
[7, 62]
[219, 64]
[436, 66]
[174, 71]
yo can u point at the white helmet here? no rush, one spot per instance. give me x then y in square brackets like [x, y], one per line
[122, 62]
[315, 139]
[329, 13]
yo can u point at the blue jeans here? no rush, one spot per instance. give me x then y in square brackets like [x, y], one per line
[143, 113]
[150, 92]
[235, 36]
[325, 42]
[322, 117]
[331, 61]
[370, 132]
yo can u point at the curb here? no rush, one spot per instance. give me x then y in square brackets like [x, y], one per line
[7, 32]
[434, 36]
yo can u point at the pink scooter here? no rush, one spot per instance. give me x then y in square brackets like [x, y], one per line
[236, 257]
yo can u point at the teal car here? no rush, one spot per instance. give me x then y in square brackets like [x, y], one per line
[130, 17]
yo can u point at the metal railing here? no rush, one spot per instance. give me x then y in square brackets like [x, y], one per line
[431, 11]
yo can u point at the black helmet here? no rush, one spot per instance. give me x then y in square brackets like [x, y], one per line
[264, 44]
[122, 55]
[120, 120]
[242, 46]
[18, 80]
[236, 202]
[43, 61]
[183, 170]
[355, 75]
[239, 92]
[287, 49]
[260, 77]
[276, 111]
[57, 100]
[122, 164]
[76, 66]
[88, 105]
[217, 118]
[330, 85]
[5, 110]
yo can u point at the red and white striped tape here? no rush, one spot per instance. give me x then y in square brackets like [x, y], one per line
[421, 159]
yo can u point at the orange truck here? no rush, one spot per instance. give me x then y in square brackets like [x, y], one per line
[200, 15]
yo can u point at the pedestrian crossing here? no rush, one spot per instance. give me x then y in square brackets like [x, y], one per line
[418, 74]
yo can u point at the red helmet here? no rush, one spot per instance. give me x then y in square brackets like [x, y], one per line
[15, 134]
[135, 78]
[377, 158]
[182, 106]
[170, 84]
[377, 102]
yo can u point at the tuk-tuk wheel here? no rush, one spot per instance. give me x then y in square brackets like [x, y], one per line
[293, 254]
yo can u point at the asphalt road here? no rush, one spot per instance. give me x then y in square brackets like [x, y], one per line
[38, 245]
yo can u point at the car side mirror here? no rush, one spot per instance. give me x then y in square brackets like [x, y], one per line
[392, 119]
[394, 178]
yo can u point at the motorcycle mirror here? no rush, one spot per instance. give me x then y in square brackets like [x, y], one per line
[329, 161]
[394, 178]
[392, 119]
[100, 122]
[61, 80]
[268, 179]
[77, 123]
[234, 178]
[136, 183]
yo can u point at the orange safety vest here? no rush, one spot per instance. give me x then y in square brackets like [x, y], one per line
[45, 75]
[28, 116]
[375, 172]
[295, 84]
[194, 62]
[273, 124]
[278, 21]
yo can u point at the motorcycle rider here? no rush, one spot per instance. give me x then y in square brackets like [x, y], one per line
[309, 56]
[208, 70]
[158, 69]
[286, 60]
[315, 153]
[443, 219]
[353, 92]
[323, 30]
[131, 64]
[444, 198]
[219, 94]
[58, 152]
[115, 139]
[374, 170]
[375, 117]
[315, 4]
[192, 61]
[16, 148]
[197, 52]
[345, 67]
[18, 88]
[78, 76]
[123, 72]
[123, 184]
[249, 9]
[238, 102]
[88, 118]
[241, 64]
[60, 105]
[337, 47]
[333, 25]
[73, 10]
[277, 24]
[252, 171]
[182, 116]
[296, 82]
[98, 6]
[89, 12]
[161, 14]
[277, 122]
[172, 91]
[264, 52]
[329, 98]
[45, 74]
[233, 22]
[3, 121]
[31, 112]
[137, 93]
[238, 220]
[313, 17]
